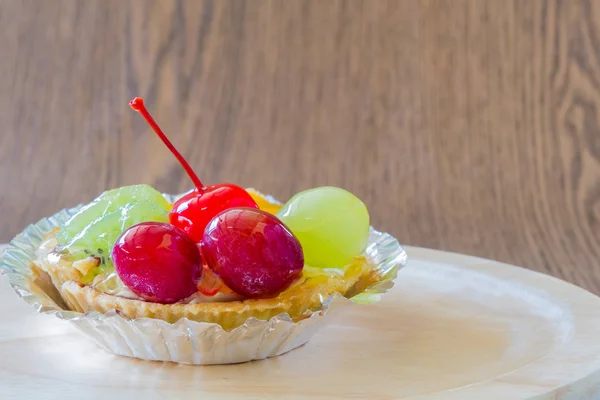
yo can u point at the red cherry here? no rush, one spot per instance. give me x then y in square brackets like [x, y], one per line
[194, 210]
[158, 262]
[253, 252]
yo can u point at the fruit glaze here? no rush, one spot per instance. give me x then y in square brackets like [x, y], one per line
[216, 243]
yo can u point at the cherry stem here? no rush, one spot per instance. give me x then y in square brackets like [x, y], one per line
[138, 105]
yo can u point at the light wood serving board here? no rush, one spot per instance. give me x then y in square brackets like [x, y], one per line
[453, 328]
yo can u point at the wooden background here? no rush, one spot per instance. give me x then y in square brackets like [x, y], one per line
[470, 126]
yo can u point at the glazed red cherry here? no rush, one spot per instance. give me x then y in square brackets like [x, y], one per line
[253, 252]
[158, 262]
[193, 211]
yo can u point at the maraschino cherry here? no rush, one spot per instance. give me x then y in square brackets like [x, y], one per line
[193, 211]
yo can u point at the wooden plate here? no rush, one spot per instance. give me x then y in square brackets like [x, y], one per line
[453, 328]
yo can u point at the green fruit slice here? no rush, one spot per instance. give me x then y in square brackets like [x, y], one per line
[107, 203]
[98, 238]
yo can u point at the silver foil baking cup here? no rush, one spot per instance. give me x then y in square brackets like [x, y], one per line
[186, 341]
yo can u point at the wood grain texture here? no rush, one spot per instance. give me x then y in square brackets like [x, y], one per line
[470, 126]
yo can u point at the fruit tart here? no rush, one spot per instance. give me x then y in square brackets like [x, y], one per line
[220, 255]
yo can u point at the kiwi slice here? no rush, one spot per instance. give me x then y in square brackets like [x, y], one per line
[98, 238]
[107, 203]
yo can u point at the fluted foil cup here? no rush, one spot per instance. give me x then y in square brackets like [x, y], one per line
[187, 341]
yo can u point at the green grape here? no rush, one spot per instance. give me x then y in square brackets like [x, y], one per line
[106, 203]
[331, 224]
[98, 238]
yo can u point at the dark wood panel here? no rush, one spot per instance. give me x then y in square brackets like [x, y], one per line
[469, 126]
